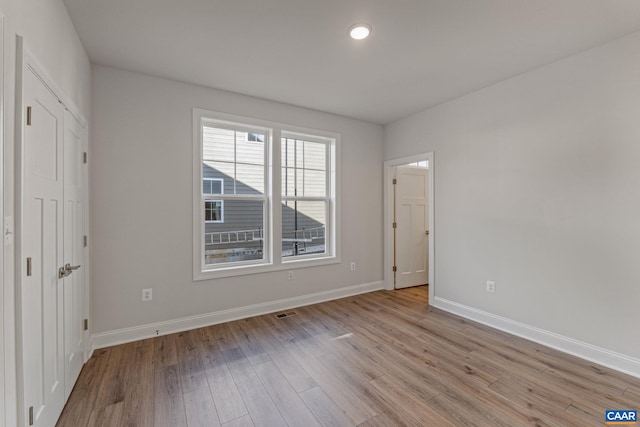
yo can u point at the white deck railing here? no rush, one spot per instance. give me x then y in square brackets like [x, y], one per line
[239, 236]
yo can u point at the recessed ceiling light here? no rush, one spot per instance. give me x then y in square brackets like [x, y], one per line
[359, 31]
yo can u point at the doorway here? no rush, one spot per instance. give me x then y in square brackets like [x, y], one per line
[409, 222]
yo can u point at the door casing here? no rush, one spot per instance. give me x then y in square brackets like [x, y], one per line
[389, 166]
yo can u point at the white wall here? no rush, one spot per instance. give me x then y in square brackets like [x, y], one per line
[536, 187]
[51, 38]
[141, 203]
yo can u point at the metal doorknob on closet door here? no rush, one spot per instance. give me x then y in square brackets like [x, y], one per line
[66, 270]
[426, 232]
[63, 272]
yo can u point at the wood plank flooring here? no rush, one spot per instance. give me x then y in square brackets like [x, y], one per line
[379, 359]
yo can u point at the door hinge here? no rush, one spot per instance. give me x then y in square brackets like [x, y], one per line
[395, 268]
[84, 157]
[86, 324]
[395, 181]
[395, 225]
[28, 266]
[30, 415]
[28, 116]
[84, 240]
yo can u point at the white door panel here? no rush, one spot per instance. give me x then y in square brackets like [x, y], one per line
[42, 292]
[73, 251]
[412, 219]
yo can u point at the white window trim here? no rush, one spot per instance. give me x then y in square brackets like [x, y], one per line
[273, 196]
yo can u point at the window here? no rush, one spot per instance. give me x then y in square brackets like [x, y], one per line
[265, 196]
[420, 164]
[212, 186]
[229, 157]
[305, 195]
[255, 137]
[213, 209]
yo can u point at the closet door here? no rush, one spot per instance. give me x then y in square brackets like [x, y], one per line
[42, 293]
[74, 281]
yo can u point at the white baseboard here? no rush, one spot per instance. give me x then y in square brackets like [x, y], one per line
[136, 333]
[592, 353]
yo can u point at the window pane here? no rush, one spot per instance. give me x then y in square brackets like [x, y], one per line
[288, 150]
[314, 183]
[288, 182]
[299, 189]
[304, 168]
[237, 158]
[217, 144]
[303, 228]
[251, 152]
[299, 154]
[315, 155]
[240, 237]
[249, 179]
[219, 170]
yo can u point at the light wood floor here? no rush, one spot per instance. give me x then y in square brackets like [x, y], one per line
[380, 359]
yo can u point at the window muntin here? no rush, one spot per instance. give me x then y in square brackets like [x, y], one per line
[226, 146]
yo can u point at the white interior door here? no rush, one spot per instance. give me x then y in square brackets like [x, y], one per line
[74, 283]
[412, 223]
[42, 316]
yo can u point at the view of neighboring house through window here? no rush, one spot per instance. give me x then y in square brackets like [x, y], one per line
[242, 222]
[233, 171]
[304, 195]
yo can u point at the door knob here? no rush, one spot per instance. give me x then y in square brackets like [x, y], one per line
[426, 232]
[66, 270]
[63, 272]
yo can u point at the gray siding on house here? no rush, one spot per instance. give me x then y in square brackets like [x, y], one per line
[241, 215]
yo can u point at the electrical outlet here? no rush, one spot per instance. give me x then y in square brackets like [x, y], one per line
[291, 275]
[147, 294]
[353, 266]
[491, 286]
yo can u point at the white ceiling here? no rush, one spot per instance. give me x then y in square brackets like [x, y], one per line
[420, 53]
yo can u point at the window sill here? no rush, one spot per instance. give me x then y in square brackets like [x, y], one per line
[243, 270]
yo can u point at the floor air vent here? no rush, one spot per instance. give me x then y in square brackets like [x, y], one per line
[283, 315]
